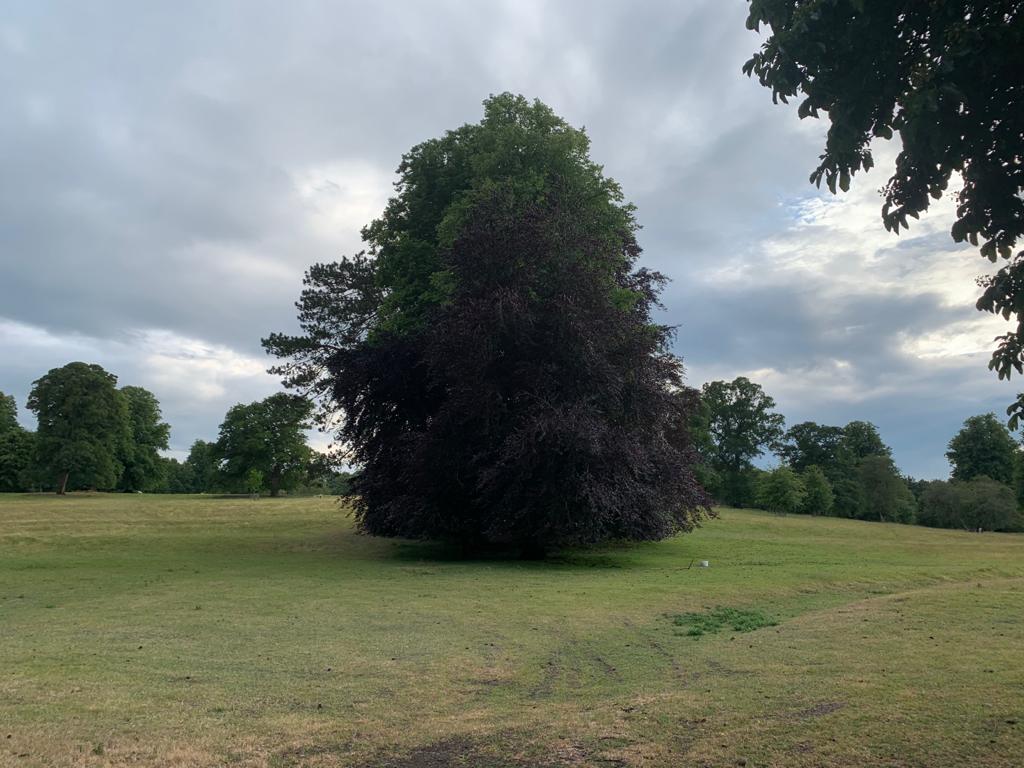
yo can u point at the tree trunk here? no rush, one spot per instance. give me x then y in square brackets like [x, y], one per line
[275, 484]
[62, 484]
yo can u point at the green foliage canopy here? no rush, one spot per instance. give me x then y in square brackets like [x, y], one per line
[781, 491]
[83, 426]
[741, 422]
[203, 466]
[983, 447]
[886, 495]
[947, 77]
[969, 505]
[144, 468]
[838, 452]
[809, 443]
[818, 496]
[8, 413]
[861, 439]
[267, 440]
[17, 449]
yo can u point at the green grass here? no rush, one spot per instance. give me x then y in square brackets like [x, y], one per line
[184, 631]
[721, 617]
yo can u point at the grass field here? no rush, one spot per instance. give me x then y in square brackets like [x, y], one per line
[193, 631]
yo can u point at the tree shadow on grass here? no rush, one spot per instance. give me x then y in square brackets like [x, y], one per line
[608, 555]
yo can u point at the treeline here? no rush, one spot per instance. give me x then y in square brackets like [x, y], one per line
[92, 435]
[848, 471]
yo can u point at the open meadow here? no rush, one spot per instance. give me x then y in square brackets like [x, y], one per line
[200, 631]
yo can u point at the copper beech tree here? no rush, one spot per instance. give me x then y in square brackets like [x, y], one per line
[491, 362]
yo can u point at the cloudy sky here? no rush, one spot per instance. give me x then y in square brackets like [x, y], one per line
[170, 169]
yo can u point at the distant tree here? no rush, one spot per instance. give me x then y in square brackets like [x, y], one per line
[947, 77]
[916, 487]
[17, 460]
[741, 420]
[837, 451]
[739, 489]
[341, 484]
[983, 447]
[818, 496]
[204, 466]
[323, 476]
[143, 466]
[811, 444]
[254, 483]
[1018, 476]
[17, 449]
[969, 505]
[177, 477]
[781, 491]
[494, 360]
[710, 478]
[886, 495]
[737, 424]
[808, 443]
[943, 505]
[83, 426]
[269, 437]
[992, 506]
[862, 440]
[8, 413]
[848, 488]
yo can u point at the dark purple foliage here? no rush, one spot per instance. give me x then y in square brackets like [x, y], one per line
[540, 406]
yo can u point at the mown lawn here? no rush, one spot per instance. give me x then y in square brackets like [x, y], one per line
[195, 631]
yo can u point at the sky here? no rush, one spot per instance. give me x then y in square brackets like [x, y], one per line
[171, 169]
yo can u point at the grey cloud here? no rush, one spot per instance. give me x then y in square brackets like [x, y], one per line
[152, 155]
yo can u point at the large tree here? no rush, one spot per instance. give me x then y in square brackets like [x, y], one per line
[493, 360]
[83, 426]
[144, 468]
[983, 446]
[945, 75]
[267, 437]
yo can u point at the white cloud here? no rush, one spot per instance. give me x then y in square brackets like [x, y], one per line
[969, 339]
[178, 366]
[13, 40]
[340, 197]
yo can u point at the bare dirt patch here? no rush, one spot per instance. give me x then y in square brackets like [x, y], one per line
[455, 752]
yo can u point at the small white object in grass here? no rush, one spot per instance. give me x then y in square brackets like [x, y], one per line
[703, 564]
